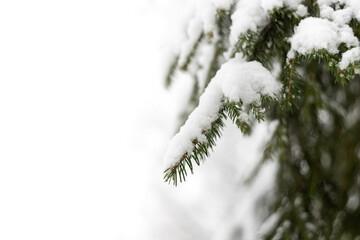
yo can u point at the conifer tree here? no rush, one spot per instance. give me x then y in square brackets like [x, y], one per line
[296, 62]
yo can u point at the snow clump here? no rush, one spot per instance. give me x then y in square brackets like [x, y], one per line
[314, 34]
[349, 57]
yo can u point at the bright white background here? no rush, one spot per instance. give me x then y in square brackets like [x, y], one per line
[84, 123]
[81, 106]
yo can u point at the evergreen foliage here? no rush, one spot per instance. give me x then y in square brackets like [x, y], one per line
[317, 140]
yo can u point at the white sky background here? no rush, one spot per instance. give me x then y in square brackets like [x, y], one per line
[81, 105]
[84, 123]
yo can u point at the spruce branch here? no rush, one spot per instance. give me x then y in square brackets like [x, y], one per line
[291, 74]
[234, 111]
[199, 153]
[190, 56]
[214, 64]
[245, 44]
[223, 24]
[171, 71]
[201, 149]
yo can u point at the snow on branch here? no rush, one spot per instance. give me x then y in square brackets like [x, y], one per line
[341, 15]
[329, 31]
[350, 57]
[314, 34]
[237, 81]
[254, 15]
[330, 40]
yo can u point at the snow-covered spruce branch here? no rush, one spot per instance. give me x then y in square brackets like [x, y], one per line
[327, 40]
[199, 152]
[201, 31]
[171, 71]
[185, 60]
[320, 40]
[259, 45]
[237, 90]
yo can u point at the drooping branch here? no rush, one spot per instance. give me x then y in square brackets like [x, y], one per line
[237, 91]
